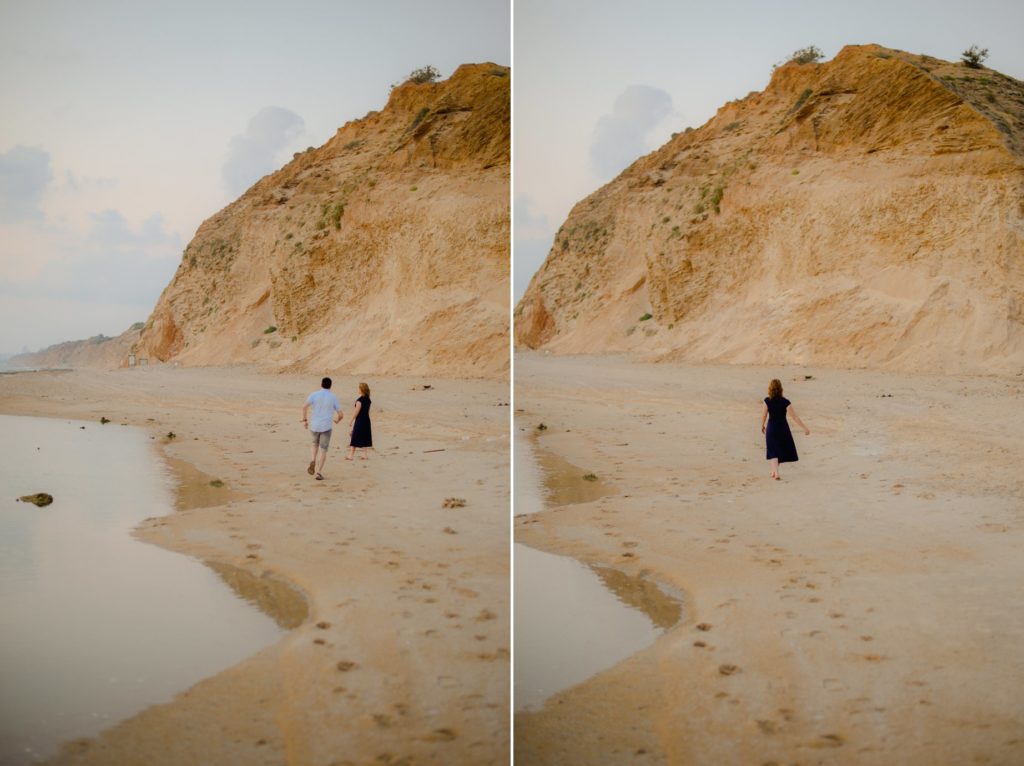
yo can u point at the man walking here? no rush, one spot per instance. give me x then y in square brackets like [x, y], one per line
[324, 405]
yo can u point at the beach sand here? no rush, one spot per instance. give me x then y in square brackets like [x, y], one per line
[404, 657]
[867, 609]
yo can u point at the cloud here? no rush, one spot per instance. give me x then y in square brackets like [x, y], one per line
[533, 236]
[530, 222]
[253, 154]
[25, 173]
[110, 230]
[113, 262]
[621, 137]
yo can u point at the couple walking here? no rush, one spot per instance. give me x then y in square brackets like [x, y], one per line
[322, 411]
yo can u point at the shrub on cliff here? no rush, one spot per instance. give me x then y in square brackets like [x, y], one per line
[423, 74]
[810, 55]
[973, 56]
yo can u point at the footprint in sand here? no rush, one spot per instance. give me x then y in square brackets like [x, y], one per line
[828, 740]
[767, 727]
[441, 735]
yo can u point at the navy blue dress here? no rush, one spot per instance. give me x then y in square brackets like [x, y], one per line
[362, 435]
[777, 436]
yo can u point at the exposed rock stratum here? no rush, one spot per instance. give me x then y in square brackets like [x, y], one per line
[864, 212]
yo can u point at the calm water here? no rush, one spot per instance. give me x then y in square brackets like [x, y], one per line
[572, 620]
[94, 625]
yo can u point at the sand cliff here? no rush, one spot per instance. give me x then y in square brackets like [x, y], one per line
[386, 250]
[98, 351]
[865, 212]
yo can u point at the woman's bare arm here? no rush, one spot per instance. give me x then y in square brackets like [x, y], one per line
[764, 417]
[359, 406]
[799, 422]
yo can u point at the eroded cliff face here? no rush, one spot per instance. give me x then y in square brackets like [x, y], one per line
[384, 251]
[865, 212]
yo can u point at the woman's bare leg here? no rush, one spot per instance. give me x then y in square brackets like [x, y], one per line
[775, 467]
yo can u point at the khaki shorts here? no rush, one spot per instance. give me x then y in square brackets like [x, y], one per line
[322, 438]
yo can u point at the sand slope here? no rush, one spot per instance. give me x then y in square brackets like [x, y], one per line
[871, 600]
[413, 595]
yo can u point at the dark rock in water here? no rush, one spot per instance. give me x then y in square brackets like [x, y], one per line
[40, 499]
[104, 420]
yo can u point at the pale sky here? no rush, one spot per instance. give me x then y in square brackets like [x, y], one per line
[124, 125]
[599, 83]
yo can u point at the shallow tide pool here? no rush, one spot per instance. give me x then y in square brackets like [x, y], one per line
[95, 625]
[572, 620]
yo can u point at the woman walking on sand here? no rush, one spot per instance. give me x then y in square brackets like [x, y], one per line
[777, 436]
[362, 436]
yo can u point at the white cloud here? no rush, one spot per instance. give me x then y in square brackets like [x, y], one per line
[113, 262]
[253, 154]
[25, 173]
[621, 136]
[533, 236]
[530, 222]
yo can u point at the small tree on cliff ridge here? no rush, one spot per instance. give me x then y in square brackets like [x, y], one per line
[973, 56]
[423, 74]
[810, 55]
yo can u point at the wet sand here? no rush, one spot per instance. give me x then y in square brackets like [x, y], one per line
[404, 657]
[866, 609]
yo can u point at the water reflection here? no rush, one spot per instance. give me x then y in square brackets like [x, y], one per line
[277, 599]
[561, 482]
[573, 620]
[95, 626]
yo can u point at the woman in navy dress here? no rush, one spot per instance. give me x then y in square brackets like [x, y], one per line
[777, 436]
[362, 436]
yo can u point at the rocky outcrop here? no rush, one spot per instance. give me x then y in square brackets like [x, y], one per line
[865, 212]
[386, 250]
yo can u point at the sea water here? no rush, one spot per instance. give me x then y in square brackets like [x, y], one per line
[94, 624]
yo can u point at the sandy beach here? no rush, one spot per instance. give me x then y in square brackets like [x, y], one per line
[867, 609]
[404, 655]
